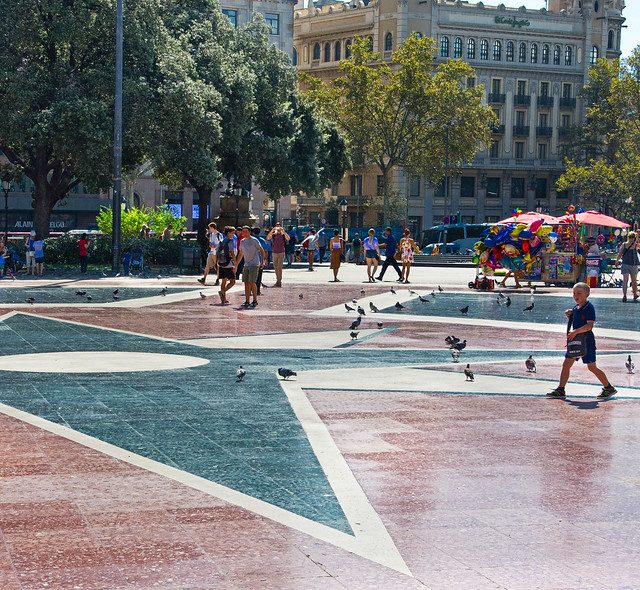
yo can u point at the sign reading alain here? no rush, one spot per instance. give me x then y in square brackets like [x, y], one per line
[513, 21]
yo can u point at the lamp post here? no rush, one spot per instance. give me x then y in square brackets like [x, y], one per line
[6, 187]
[117, 144]
[343, 207]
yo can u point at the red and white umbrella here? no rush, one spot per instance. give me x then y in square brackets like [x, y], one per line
[530, 217]
[594, 218]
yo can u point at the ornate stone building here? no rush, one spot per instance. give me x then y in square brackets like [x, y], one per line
[532, 64]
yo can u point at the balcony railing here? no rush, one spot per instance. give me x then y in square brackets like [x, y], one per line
[521, 130]
[545, 101]
[496, 97]
[564, 131]
[544, 131]
[567, 103]
[497, 129]
[522, 100]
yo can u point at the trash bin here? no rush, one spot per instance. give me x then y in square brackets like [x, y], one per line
[190, 259]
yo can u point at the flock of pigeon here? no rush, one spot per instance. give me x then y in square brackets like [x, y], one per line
[115, 295]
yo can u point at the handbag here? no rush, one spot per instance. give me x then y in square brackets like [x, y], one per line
[577, 347]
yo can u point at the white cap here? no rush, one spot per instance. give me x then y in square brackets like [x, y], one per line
[32, 232]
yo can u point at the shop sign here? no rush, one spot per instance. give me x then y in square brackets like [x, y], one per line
[513, 21]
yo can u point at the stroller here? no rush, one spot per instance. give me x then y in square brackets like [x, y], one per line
[608, 276]
[137, 261]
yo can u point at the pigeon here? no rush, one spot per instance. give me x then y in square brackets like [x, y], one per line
[508, 303]
[353, 335]
[501, 296]
[464, 310]
[31, 300]
[451, 340]
[459, 345]
[116, 298]
[116, 291]
[356, 323]
[240, 373]
[202, 295]
[433, 294]
[81, 293]
[393, 290]
[159, 277]
[354, 301]
[301, 296]
[362, 291]
[380, 324]
[412, 292]
[532, 290]
[455, 355]
[423, 299]
[348, 308]
[373, 308]
[89, 298]
[468, 373]
[361, 310]
[499, 301]
[163, 291]
[440, 289]
[399, 305]
[630, 366]
[529, 307]
[286, 373]
[530, 363]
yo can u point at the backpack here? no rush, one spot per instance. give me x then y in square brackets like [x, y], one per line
[224, 255]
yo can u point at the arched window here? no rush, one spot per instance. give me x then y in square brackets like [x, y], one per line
[347, 48]
[457, 47]
[522, 53]
[294, 57]
[611, 40]
[545, 54]
[471, 49]
[534, 53]
[444, 47]
[593, 56]
[327, 52]
[556, 55]
[497, 50]
[484, 49]
[316, 52]
[510, 50]
[568, 55]
[337, 51]
[388, 42]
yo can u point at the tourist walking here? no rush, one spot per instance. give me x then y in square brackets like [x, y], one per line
[336, 247]
[214, 237]
[628, 254]
[253, 256]
[226, 256]
[356, 248]
[371, 254]
[38, 255]
[255, 232]
[29, 258]
[407, 247]
[391, 245]
[290, 250]
[310, 243]
[279, 244]
[83, 252]
[322, 243]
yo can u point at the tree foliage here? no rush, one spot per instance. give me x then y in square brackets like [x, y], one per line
[132, 220]
[400, 113]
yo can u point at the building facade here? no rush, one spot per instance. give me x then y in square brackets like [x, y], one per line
[532, 64]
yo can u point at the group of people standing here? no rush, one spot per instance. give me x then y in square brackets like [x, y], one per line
[395, 251]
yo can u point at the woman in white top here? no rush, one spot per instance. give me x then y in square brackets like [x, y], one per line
[371, 254]
[310, 243]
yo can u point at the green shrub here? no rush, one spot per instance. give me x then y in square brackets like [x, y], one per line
[133, 219]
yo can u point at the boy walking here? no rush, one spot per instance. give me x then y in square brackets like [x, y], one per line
[214, 238]
[254, 257]
[226, 261]
[583, 317]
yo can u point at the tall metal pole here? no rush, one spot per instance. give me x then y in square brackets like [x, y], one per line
[117, 144]
[6, 217]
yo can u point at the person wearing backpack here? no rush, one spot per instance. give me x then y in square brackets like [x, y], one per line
[226, 257]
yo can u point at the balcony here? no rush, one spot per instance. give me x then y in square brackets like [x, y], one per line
[497, 129]
[545, 101]
[522, 100]
[544, 131]
[564, 131]
[496, 98]
[567, 103]
[521, 130]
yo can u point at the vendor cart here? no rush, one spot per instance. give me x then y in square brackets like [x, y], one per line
[559, 268]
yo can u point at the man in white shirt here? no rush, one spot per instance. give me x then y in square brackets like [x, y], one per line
[212, 257]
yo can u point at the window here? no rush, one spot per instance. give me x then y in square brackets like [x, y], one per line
[484, 49]
[497, 50]
[521, 88]
[355, 185]
[510, 50]
[520, 118]
[494, 150]
[347, 48]
[232, 15]
[273, 22]
[556, 55]
[545, 54]
[517, 188]
[468, 186]
[388, 42]
[327, 52]
[496, 85]
[496, 112]
[294, 59]
[568, 55]
[471, 82]
[593, 55]
[337, 51]
[611, 40]
[542, 151]
[414, 187]
[522, 53]
[540, 188]
[471, 49]
[543, 120]
[444, 47]
[544, 88]
[491, 218]
[534, 53]
[519, 150]
[379, 185]
[566, 91]
[316, 52]
[565, 121]
[457, 47]
[493, 187]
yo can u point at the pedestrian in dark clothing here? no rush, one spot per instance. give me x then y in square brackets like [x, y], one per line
[391, 245]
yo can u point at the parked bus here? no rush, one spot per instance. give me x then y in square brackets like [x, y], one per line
[453, 238]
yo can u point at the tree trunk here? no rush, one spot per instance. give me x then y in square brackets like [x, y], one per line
[43, 204]
[385, 194]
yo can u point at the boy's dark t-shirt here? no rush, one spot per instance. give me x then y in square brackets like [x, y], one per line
[582, 315]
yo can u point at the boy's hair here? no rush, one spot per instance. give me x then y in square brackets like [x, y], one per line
[255, 231]
[212, 224]
[582, 287]
[247, 228]
[229, 228]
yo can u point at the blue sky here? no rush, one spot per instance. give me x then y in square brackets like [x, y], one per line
[630, 34]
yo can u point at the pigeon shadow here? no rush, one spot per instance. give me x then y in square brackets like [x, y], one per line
[583, 405]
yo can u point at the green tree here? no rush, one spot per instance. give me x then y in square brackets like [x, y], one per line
[56, 97]
[400, 113]
[134, 218]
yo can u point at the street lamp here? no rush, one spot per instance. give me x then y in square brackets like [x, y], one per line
[343, 207]
[6, 187]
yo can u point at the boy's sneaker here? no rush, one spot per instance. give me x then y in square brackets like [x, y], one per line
[607, 392]
[557, 393]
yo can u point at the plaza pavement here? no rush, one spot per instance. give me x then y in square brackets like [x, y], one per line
[132, 460]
